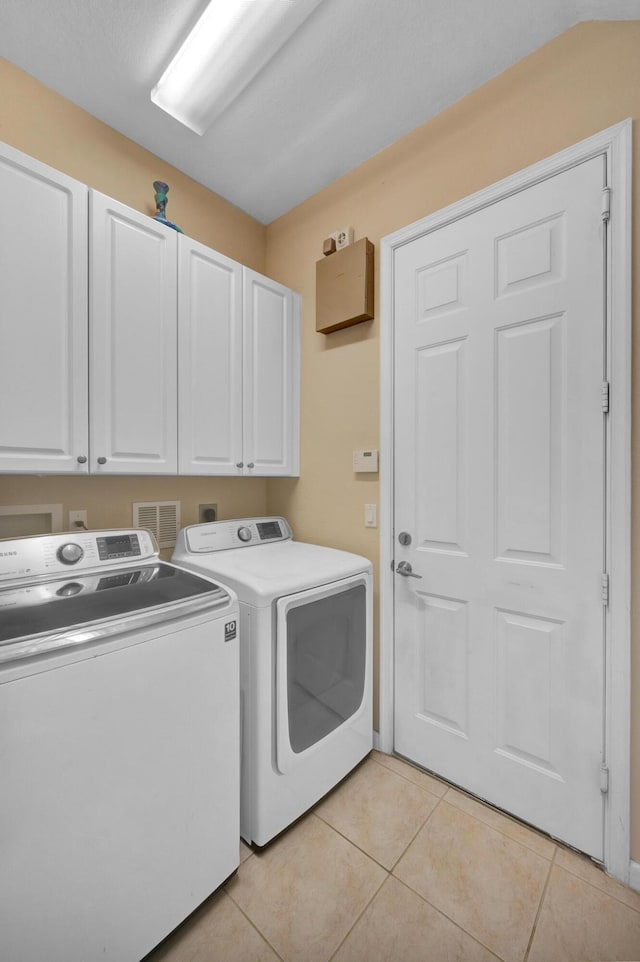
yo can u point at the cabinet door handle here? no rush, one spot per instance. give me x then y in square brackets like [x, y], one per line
[251, 464]
[240, 464]
[102, 460]
[81, 459]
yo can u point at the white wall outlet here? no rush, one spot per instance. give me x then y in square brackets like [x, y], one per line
[342, 237]
[371, 515]
[77, 519]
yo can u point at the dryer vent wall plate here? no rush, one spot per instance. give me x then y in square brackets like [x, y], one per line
[344, 287]
[161, 518]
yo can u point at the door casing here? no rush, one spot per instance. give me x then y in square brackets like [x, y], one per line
[615, 143]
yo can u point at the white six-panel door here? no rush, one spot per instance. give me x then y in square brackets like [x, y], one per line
[499, 465]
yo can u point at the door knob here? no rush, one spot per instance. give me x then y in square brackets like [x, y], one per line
[81, 459]
[404, 568]
[102, 460]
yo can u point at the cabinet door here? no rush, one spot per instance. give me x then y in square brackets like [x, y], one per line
[133, 341]
[43, 318]
[271, 377]
[209, 361]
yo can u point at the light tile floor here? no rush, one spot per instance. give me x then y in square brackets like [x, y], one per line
[396, 866]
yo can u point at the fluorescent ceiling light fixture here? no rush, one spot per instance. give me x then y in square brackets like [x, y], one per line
[231, 42]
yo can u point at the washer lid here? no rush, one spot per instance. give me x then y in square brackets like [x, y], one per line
[265, 572]
[83, 607]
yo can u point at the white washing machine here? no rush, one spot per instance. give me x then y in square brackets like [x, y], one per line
[305, 662]
[119, 745]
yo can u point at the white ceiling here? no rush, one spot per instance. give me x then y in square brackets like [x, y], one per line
[357, 76]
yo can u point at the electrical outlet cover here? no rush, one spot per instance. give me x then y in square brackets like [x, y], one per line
[207, 513]
[343, 237]
[77, 519]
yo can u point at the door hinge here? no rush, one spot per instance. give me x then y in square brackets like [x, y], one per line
[604, 779]
[605, 588]
[393, 565]
[605, 393]
[606, 203]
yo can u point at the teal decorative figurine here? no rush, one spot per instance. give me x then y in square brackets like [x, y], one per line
[161, 204]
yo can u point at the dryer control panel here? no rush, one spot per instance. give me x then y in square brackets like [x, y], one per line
[241, 533]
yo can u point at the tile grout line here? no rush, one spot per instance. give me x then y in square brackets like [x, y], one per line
[558, 844]
[360, 914]
[253, 925]
[451, 787]
[355, 844]
[437, 908]
[368, 854]
[551, 860]
[412, 840]
[388, 768]
[599, 888]
[447, 917]
[534, 927]
[522, 825]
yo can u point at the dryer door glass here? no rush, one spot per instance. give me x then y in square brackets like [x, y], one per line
[325, 664]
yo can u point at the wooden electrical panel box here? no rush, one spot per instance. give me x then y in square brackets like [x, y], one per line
[344, 287]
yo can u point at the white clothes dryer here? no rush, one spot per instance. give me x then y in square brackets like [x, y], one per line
[305, 662]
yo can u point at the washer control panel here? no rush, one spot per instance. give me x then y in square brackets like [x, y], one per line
[242, 533]
[45, 555]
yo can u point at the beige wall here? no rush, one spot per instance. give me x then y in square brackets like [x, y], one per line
[46, 126]
[581, 83]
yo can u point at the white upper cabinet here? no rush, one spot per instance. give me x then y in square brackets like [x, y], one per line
[209, 360]
[238, 375]
[127, 348]
[271, 366]
[43, 318]
[133, 341]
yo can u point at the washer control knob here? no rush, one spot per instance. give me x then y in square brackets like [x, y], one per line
[70, 553]
[244, 534]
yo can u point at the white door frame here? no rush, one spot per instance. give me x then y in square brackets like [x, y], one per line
[615, 142]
